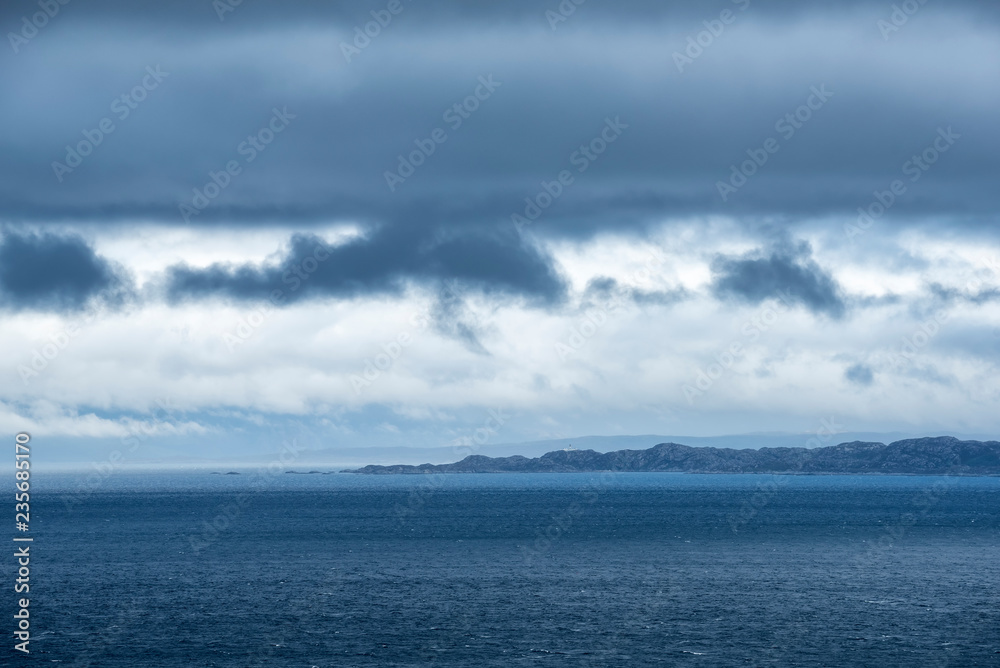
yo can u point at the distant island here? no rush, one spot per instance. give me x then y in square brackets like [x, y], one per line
[938, 455]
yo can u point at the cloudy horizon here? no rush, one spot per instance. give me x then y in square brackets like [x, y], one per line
[225, 225]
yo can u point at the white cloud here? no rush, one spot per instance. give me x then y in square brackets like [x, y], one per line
[300, 360]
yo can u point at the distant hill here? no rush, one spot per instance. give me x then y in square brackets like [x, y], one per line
[943, 454]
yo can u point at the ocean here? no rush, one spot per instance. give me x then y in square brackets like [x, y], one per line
[614, 569]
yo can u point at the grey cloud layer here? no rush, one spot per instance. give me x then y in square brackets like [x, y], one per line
[54, 272]
[354, 119]
[62, 273]
[451, 218]
[786, 272]
[193, 13]
[383, 262]
[148, 143]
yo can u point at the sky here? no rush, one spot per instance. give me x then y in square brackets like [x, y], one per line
[225, 225]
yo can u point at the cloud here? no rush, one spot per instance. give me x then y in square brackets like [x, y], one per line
[496, 262]
[786, 271]
[354, 120]
[950, 295]
[868, 301]
[860, 374]
[605, 288]
[50, 272]
[453, 318]
[196, 15]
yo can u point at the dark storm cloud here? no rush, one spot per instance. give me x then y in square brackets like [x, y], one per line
[52, 272]
[785, 272]
[385, 261]
[353, 120]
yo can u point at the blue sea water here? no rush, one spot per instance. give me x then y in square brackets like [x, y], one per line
[514, 570]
